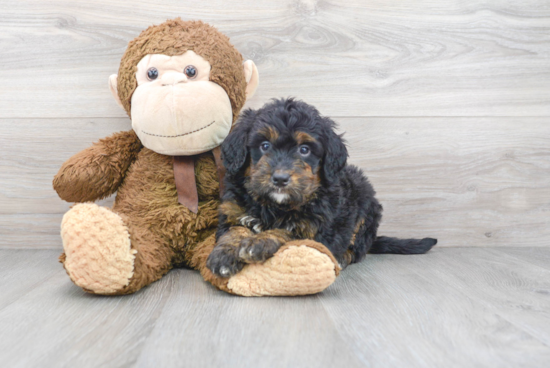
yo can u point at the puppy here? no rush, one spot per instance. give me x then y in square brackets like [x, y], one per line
[287, 178]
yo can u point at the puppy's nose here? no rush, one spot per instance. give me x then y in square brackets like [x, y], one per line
[280, 178]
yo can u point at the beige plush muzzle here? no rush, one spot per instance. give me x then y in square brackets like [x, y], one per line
[176, 109]
[177, 117]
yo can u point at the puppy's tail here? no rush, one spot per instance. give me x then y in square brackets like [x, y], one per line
[385, 244]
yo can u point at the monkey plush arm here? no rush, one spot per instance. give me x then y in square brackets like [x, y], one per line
[97, 171]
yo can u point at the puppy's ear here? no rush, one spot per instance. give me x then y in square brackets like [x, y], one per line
[235, 146]
[336, 154]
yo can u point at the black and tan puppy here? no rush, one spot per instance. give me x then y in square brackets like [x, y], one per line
[286, 179]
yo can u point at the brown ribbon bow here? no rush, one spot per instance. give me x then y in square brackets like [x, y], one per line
[184, 175]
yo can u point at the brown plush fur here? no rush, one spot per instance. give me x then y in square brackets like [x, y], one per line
[300, 267]
[174, 37]
[164, 233]
[96, 172]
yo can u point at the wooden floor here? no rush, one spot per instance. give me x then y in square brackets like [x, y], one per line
[453, 307]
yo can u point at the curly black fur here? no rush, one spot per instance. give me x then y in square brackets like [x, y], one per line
[324, 199]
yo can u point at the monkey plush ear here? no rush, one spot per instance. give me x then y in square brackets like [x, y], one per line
[252, 78]
[235, 146]
[336, 154]
[113, 83]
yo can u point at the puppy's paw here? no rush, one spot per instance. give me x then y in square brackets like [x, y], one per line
[224, 262]
[258, 249]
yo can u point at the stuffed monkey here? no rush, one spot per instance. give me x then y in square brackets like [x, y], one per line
[183, 85]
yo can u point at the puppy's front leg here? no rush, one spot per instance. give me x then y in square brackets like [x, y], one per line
[224, 260]
[260, 247]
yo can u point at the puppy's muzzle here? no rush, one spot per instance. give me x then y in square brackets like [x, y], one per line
[280, 178]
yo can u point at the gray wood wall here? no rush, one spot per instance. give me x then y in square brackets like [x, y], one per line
[445, 104]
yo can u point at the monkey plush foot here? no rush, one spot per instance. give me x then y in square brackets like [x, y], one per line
[300, 267]
[98, 256]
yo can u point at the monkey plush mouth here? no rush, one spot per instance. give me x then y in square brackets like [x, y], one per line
[171, 124]
[178, 135]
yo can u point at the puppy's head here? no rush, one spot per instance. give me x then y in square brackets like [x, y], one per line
[284, 151]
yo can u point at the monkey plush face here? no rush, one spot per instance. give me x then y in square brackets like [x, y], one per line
[176, 109]
[183, 84]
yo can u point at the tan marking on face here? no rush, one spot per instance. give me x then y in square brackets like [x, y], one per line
[269, 133]
[303, 137]
[304, 177]
[295, 176]
[261, 171]
[258, 184]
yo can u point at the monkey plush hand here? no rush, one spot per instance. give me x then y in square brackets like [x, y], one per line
[183, 84]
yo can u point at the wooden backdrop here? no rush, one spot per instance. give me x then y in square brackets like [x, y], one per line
[445, 104]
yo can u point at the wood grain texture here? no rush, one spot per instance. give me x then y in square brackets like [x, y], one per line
[440, 315]
[446, 103]
[531, 255]
[453, 307]
[243, 332]
[31, 153]
[466, 181]
[56, 324]
[352, 58]
[25, 270]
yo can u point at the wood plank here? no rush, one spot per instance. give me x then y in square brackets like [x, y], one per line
[516, 289]
[25, 270]
[536, 256]
[58, 325]
[204, 327]
[453, 307]
[466, 181]
[31, 153]
[353, 58]
[411, 311]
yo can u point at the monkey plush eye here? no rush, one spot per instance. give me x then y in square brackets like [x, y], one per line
[190, 71]
[152, 73]
[304, 150]
[265, 146]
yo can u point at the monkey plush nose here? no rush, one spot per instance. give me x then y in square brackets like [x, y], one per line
[171, 78]
[280, 179]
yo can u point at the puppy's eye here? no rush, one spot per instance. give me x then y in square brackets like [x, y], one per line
[304, 151]
[152, 73]
[265, 146]
[190, 71]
